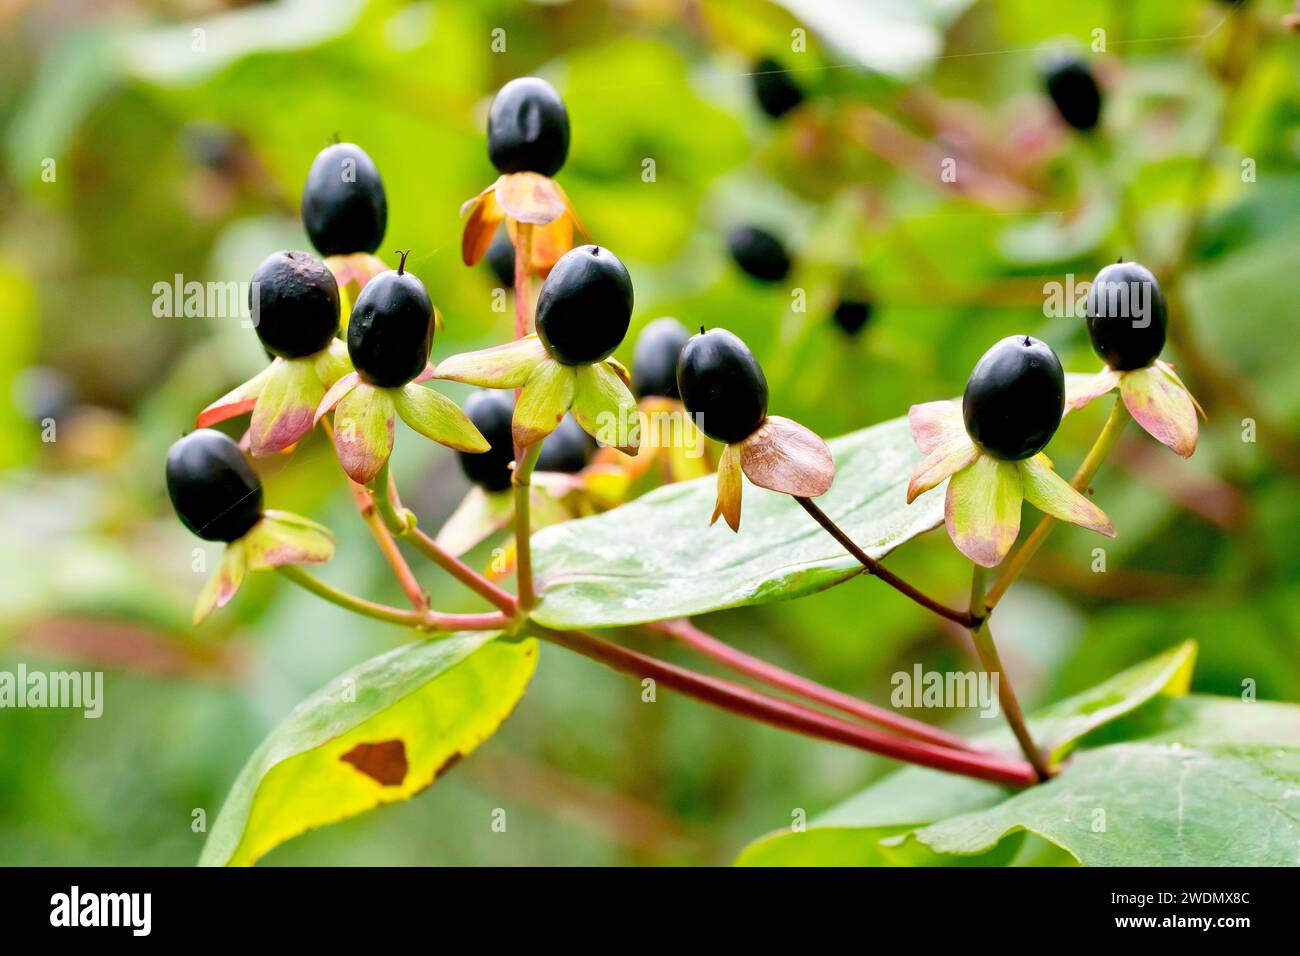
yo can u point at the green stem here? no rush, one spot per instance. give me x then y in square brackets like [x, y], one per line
[381, 492]
[520, 480]
[987, 652]
[1100, 450]
[422, 620]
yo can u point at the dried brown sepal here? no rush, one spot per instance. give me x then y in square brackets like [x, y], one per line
[729, 488]
[784, 456]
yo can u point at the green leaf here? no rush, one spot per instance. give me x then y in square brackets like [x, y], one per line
[379, 733]
[1158, 780]
[657, 557]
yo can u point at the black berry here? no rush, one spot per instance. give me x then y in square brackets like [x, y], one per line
[1127, 316]
[491, 412]
[528, 128]
[759, 253]
[585, 306]
[295, 303]
[344, 208]
[567, 449]
[501, 259]
[215, 492]
[722, 383]
[1074, 90]
[852, 315]
[1015, 398]
[776, 92]
[391, 328]
[654, 361]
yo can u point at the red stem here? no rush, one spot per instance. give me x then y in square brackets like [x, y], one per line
[464, 573]
[796, 718]
[708, 645]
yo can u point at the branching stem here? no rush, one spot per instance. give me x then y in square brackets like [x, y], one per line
[709, 646]
[791, 716]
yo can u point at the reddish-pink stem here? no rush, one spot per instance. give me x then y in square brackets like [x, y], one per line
[464, 573]
[708, 645]
[796, 718]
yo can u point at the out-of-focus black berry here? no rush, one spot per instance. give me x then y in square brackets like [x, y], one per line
[1015, 398]
[215, 492]
[567, 449]
[759, 253]
[528, 128]
[654, 361]
[722, 383]
[491, 412]
[1074, 90]
[1127, 316]
[501, 259]
[852, 315]
[295, 303]
[585, 306]
[391, 328]
[344, 209]
[774, 88]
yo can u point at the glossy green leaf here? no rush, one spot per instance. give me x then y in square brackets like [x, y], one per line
[657, 557]
[379, 733]
[1158, 780]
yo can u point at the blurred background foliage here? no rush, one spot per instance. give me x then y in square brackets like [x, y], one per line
[133, 153]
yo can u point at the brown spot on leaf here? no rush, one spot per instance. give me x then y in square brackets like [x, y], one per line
[384, 762]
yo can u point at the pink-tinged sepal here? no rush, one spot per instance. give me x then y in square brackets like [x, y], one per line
[285, 409]
[502, 366]
[730, 486]
[225, 581]
[1162, 406]
[935, 423]
[437, 417]
[363, 431]
[282, 537]
[982, 510]
[238, 401]
[786, 457]
[1051, 494]
[352, 272]
[943, 462]
[1104, 381]
[336, 393]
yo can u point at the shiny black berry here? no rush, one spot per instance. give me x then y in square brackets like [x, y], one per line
[1015, 398]
[214, 491]
[722, 383]
[491, 412]
[1074, 90]
[391, 328]
[774, 88]
[295, 304]
[528, 128]
[344, 208]
[759, 253]
[1127, 316]
[852, 315]
[654, 361]
[501, 259]
[585, 306]
[567, 449]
